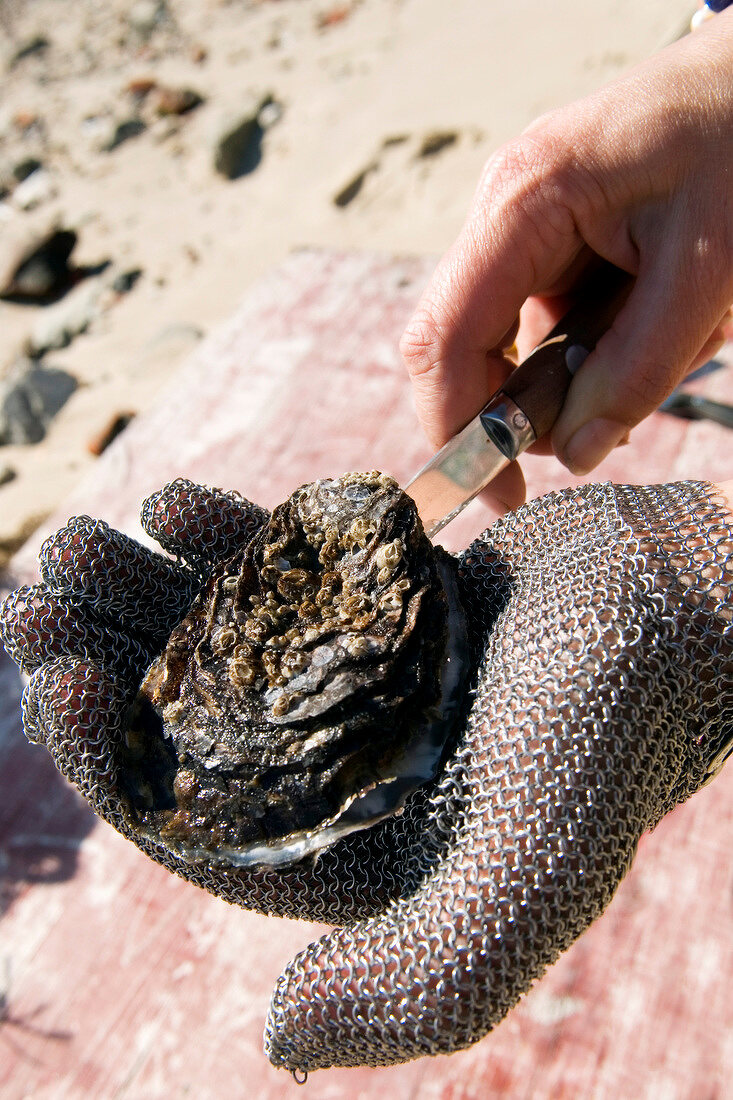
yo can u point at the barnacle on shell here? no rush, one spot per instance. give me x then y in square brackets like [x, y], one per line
[310, 688]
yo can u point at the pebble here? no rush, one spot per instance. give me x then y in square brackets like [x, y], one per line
[349, 192]
[238, 148]
[7, 473]
[125, 281]
[30, 396]
[336, 14]
[38, 44]
[140, 86]
[34, 262]
[25, 120]
[36, 188]
[114, 426]
[58, 324]
[176, 101]
[435, 142]
[25, 168]
[120, 132]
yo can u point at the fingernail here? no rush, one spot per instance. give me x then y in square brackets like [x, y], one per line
[592, 443]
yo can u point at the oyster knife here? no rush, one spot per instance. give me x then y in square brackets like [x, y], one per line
[524, 409]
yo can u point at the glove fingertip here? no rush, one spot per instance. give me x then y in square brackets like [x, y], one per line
[76, 709]
[199, 523]
[13, 633]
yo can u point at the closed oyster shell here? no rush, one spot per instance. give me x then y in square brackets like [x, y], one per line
[310, 688]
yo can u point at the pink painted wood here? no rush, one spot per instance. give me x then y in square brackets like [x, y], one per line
[125, 982]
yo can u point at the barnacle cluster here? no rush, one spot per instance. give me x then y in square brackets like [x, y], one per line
[310, 687]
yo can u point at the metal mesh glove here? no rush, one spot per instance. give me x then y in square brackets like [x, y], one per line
[602, 698]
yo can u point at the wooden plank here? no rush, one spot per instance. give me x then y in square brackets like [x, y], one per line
[126, 982]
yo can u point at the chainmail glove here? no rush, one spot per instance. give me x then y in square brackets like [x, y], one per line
[601, 623]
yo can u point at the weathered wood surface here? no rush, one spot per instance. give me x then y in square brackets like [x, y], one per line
[125, 982]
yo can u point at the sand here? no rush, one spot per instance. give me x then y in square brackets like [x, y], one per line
[405, 97]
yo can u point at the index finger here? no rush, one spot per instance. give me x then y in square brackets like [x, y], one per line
[517, 241]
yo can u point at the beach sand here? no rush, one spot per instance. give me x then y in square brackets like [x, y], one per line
[382, 115]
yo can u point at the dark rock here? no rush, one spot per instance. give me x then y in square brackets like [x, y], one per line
[436, 142]
[42, 269]
[36, 45]
[7, 473]
[25, 168]
[348, 193]
[123, 131]
[394, 139]
[125, 281]
[238, 149]
[30, 397]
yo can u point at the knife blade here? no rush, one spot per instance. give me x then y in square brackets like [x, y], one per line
[524, 409]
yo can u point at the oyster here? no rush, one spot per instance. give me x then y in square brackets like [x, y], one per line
[310, 688]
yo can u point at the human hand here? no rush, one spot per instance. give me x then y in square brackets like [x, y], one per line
[603, 616]
[637, 174]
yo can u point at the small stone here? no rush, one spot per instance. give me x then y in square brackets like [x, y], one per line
[436, 142]
[334, 15]
[60, 323]
[7, 473]
[140, 86]
[238, 149]
[25, 168]
[176, 101]
[25, 119]
[35, 264]
[35, 189]
[30, 397]
[125, 281]
[349, 192]
[34, 46]
[114, 427]
[122, 132]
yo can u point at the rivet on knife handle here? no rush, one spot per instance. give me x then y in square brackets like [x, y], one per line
[524, 409]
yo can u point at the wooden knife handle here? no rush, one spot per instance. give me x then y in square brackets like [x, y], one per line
[540, 384]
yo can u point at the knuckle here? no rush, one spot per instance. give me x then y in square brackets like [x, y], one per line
[537, 165]
[422, 342]
[535, 184]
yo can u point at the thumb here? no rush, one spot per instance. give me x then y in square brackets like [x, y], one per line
[369, 994]
[670, 316]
